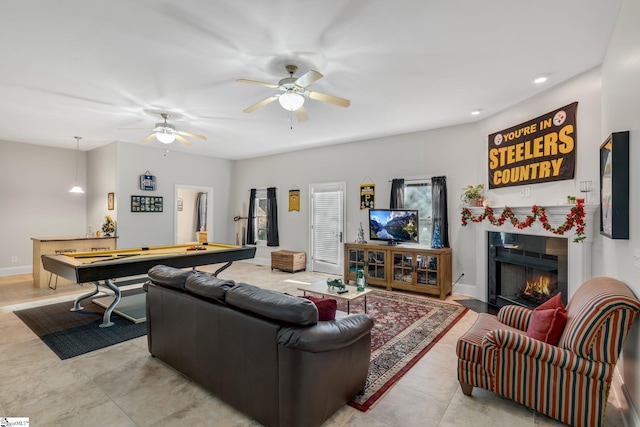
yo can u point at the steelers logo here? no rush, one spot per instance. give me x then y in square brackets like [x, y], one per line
[498, 139]
[559, 118]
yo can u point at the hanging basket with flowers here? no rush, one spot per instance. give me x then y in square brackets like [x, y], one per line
[575, 219]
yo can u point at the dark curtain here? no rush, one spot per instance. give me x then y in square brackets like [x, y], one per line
[272, 218]
[396, 201]
[439, 207]
[201, 212]
[251, 218]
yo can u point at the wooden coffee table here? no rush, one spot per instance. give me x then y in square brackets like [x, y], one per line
[321, 288]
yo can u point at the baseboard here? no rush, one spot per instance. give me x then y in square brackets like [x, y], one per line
[469, 291]
[14, 271]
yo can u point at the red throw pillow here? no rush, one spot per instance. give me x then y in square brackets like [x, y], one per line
[554, 302]
[548, 320]
[326, 307]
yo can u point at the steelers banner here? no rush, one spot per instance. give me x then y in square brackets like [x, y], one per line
[294, 200]
[367, 196]
[540, 150]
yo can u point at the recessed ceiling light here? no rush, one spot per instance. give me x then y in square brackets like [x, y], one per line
[475, 112]
[540, 79]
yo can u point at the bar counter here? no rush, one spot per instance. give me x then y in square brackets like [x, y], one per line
[64, 244]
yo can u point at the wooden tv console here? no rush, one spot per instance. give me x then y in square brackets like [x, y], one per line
[409, 267]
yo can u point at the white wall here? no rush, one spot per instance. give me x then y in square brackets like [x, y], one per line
[620, 112]
[447, 151]
[153, 229]
[102, 178]
[35, 200]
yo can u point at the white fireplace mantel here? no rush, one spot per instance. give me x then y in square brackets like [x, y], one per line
[579, 253]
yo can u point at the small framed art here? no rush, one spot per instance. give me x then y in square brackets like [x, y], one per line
[110, 201]
[146, 204]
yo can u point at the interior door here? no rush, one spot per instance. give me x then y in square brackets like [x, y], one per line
[327, 227]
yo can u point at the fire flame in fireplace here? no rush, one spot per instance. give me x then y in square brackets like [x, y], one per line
[539, 286]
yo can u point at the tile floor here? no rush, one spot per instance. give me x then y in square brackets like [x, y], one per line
[123, 386]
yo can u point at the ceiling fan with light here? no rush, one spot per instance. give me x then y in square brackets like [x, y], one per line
[167, 133]
[294, 91]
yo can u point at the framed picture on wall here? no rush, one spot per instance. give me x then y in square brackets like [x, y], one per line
[110, 201]
[614, 186]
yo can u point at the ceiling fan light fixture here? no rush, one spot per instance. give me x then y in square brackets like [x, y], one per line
[291, 101]
[165, 137]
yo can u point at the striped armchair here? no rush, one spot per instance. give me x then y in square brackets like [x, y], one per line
[569, 382]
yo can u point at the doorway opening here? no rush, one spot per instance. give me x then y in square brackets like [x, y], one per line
[193, 213]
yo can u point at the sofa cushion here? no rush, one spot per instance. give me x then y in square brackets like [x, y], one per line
[548, 320]
[327, 307]
[272, 305]
[208, 286]
[169, 276]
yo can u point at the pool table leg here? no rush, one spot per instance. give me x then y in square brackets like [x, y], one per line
[106, 318]
[224, 267]
[76, 303]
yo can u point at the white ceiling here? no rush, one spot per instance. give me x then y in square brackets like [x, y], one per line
[89, 68]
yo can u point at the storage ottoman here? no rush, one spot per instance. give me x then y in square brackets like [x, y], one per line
[289, 261]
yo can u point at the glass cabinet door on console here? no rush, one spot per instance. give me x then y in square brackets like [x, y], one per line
[369, 258]
[403, 267]
[427, 270]
[376, 265]
[356, 259]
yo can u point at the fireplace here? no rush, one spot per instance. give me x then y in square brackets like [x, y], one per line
[525, 269]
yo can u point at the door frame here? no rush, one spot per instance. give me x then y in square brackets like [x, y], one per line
[339, 186]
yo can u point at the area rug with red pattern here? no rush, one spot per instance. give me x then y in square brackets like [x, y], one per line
[406, 327]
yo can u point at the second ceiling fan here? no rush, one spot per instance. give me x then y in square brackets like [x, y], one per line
[167, 133]
[294, 91]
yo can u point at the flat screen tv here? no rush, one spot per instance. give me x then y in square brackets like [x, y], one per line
[393, 225]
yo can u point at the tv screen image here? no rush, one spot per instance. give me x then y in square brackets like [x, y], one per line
[393, 225]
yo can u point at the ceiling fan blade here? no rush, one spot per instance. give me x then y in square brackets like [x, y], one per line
[149, 138]
[255, 82]
[301, 114]
[260, 104]
[183, 141]
[335, 100]
[192, 135]
[307, 78]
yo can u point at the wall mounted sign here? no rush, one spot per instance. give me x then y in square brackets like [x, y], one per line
[367, 196]
[294, 200]
[539, 150]
[147, 182]
[614, 186]
[146, 204]
[180, 204]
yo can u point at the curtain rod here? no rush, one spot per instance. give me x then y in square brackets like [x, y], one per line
[416, 179]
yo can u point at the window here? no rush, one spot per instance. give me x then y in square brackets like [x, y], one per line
[261, 216]
[417, 195]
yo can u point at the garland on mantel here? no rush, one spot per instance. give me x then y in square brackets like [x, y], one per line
[575, 218]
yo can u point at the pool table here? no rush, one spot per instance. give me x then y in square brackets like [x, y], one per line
[94, 267]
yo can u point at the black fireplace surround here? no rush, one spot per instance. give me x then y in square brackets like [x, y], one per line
[526, 270]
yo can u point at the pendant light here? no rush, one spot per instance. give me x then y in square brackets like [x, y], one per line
[76, 188]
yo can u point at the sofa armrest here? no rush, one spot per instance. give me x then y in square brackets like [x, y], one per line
[327, 335]
[499, 341]
[515, 316]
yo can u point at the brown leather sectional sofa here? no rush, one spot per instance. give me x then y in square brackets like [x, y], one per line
[263, 352]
